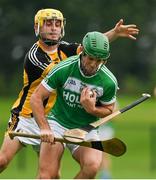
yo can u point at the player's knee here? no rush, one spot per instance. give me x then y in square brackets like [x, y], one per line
[48, 174]
[3, 162]
[94, 169]
[91, 169]
[43, 175]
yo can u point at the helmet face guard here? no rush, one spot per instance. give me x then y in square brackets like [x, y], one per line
[49, 14]
[96, 45]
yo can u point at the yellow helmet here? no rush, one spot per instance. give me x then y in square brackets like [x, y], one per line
[45, 14]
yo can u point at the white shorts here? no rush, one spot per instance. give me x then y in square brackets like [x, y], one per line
[106, 132]
[29, 125]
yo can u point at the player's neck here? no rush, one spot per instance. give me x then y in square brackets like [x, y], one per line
[48, 48]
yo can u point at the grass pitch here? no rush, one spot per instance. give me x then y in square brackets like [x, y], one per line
[137, 128]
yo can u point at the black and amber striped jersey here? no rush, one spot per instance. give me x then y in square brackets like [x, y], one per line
[37, 64]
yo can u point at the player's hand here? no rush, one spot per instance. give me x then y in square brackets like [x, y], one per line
[88, 99]
[47, 136]
[129, 30]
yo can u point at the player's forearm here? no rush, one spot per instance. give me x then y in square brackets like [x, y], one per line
[112, 35]
[101, 111]
[38, 112]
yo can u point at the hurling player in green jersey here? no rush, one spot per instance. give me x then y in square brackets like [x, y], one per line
[73, 80]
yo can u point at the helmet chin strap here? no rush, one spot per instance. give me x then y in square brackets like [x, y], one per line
[50, 42]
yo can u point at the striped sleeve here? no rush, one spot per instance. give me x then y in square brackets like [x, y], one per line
[35, 63]
[37, 58]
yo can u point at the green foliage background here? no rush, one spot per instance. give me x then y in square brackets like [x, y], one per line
[133, 62]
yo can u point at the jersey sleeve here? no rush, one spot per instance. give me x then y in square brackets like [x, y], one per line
[35, 63]
[109, 95]
[53, 80]
[38, 58]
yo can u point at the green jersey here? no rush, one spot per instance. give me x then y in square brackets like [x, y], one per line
[68, 80]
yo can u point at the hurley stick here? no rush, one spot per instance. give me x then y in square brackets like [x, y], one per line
[78, 134]
[113, 146]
